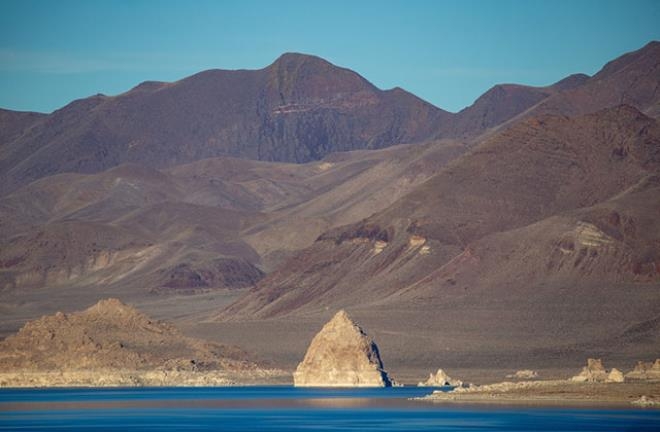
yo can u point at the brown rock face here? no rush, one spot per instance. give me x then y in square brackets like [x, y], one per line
[341, 355]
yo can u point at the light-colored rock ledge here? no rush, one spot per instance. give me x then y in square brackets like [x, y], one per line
[133, 378]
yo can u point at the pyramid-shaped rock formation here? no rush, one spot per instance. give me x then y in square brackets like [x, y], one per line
[341, 355]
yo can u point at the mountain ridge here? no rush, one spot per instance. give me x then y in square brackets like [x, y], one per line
[297, 109]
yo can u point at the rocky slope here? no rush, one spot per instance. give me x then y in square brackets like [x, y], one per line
[112, 343]
[531, 172]
[206, 226]
[341, 355]
[532, 237]
[631, 79]
[502, 103]
[511, 242]
[298, 109]
[111, 335]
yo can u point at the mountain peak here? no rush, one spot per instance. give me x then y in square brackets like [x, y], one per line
[289, 58]
[570, 82]
[642, 59]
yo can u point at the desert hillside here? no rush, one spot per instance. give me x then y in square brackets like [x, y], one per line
[247, 207]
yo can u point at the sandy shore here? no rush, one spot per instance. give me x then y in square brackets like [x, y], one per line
[556, 392]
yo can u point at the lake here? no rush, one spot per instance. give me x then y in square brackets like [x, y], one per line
[290, 409]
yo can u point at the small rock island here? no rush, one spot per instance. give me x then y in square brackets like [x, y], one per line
[341, 355]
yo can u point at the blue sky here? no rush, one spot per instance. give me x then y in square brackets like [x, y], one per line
[447, 52]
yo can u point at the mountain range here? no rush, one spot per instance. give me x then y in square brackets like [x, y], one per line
[249, 206]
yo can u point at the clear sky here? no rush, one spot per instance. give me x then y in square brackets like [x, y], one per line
[446, 52]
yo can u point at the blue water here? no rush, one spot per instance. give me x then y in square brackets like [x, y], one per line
[290, 409]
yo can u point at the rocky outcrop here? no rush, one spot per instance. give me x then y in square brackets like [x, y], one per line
[552, 392]
[112, 343]
[594, 371]
[645, 401]
[440, 379]
[524, 374]
[615, 376]
[341, 355]
[647, 371]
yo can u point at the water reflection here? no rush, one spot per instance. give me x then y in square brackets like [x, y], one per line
[285, 409]
[339, 402]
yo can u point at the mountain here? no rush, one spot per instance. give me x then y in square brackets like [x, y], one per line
[15, 123]
[298, 109]
[198, 228]
[529, 215]
[546, 230]
[502, 103]
[130, 226]
[631, 79]
[534, 170]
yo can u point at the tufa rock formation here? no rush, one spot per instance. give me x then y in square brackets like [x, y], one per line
[341, 355]
[440, 379]
[594, 371]
[112, 343]
[647, 371]
[615, 376]
[524, 374]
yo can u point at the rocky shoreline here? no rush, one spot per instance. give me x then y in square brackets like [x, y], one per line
[139, 378]
[554, 392]
[593, 385]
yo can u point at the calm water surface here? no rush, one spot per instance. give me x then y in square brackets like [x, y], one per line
[290, 409]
